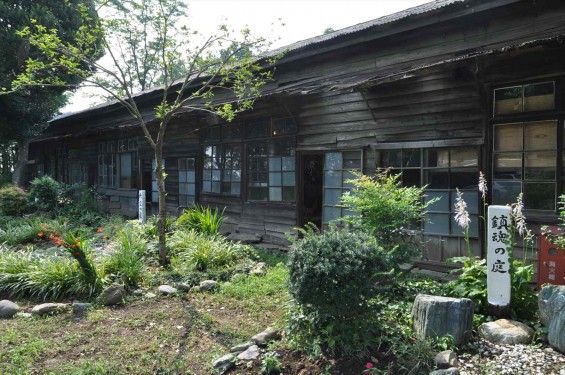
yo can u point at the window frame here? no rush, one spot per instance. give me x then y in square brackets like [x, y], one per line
[187, 182]
[221, 141]
[557, 114]
[270, 137]
[453, 230]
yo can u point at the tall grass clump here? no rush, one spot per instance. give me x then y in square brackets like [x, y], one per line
[25, 275]
[201, 219]
[127, 264]
[201, 252]
[16, 231]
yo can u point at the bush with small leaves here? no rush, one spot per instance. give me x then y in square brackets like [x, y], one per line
[333, 277]
[12, 201]
[336, 272]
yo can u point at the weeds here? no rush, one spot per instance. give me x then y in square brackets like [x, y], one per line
[127, 265]
[201, 219]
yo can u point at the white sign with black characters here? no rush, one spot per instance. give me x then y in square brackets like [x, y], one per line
[141, 207]
[498, 268]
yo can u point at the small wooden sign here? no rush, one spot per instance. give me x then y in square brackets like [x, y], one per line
[498, 266]
[141, 207]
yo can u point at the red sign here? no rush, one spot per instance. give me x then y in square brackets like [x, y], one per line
[551, 265]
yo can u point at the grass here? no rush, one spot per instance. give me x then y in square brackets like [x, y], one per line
[161, 335]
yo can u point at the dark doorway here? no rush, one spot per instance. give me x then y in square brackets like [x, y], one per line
[311, 197]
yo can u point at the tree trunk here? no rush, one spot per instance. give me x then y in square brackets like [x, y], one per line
[161, 222]
[18, 178]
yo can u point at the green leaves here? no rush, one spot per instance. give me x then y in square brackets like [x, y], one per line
[386, 210]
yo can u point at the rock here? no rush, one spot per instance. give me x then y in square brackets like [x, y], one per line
[8, 309]
[224, 363]
[48, 308]
[267, 335]
[435, 316]
[80, 306]
[183, 286]
[207, 285]
[259, 269]
[449, 371]
[150, 295]
[446, 359]
[505, 331]
[112, 295]
[245, 238]
[166, 289]
[24, 315]
[250, 354]
[241, 347]
[138, 292]
[551, 304]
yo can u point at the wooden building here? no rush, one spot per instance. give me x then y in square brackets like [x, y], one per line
[440, 91]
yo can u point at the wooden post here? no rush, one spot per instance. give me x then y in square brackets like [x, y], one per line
[498, 266]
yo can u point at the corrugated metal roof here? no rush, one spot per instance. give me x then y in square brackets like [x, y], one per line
[420, 9]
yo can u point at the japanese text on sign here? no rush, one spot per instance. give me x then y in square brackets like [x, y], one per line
[498, 276]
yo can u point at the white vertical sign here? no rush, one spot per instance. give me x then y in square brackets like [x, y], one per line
[141, 207]
[498, 267]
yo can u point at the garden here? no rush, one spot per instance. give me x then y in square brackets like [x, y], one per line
[83, 293]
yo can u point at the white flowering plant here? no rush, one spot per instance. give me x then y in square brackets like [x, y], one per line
[471, 281]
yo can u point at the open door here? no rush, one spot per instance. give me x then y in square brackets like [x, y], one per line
[311, 199]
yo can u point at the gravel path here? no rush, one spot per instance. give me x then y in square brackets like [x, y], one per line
[511, 360]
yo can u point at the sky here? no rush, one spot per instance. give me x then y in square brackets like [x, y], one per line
[302, 19]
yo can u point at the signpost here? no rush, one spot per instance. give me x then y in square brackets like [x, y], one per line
[498, 266]
[141, 207]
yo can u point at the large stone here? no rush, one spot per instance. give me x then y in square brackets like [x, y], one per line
[81, 306]
[446, 359]
[552, 313]
[448, 371]
[166, 289]
[263, 338]
[241, 347]
[224, 363]
[436, 316]
[259, 269]
[49, 308]
[505, 331]
[249, 354]
[8, 309]
[207, 285]
[113, 295]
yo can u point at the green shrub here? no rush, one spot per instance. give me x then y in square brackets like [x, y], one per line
[12, 200]
[386, 210]
[44, 194]
[201, 219]
[127, 265]
[333, 276]
[74, 201]
[336, 272]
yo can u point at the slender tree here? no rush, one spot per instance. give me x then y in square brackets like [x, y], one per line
[23, 114]
[147, 44]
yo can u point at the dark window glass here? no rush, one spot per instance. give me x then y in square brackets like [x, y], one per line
[258, 128]
[231, 131]
[211, 134]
